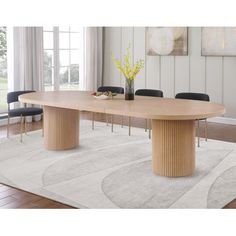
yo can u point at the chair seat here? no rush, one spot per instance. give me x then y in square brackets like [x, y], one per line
[25, 111]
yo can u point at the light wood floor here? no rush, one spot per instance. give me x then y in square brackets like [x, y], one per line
[16, 198]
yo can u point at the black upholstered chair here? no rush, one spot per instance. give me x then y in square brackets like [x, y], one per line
[112, 89]
[200, 97]
[149, 93]
[193, 96]
[22, 112]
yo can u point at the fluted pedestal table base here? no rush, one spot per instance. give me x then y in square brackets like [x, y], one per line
[173, 147]
[61, 128]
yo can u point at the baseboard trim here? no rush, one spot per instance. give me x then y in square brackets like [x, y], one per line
[223, 120]
[15, 120]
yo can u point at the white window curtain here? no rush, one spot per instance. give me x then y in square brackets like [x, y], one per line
[93, 58]
[28, 58]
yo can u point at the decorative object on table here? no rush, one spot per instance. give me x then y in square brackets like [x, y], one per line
[104, 95]
[129, 89]
[164, 41]
[218, 41]
[129, 72]
[113, 89]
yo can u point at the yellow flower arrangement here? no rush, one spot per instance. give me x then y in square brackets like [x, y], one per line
[126, 69]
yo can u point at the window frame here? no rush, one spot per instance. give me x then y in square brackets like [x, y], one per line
[2, 110]
[56, 57]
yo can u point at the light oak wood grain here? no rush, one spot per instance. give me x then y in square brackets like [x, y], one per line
[173, 147]
[61, 128]
[143, 107]
[173, 120]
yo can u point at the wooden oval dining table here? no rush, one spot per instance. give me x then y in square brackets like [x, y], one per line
[173, 123]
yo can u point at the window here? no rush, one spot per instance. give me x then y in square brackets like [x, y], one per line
[3, 69]
[63, 58]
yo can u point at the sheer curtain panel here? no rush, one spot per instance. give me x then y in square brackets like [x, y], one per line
[93, 58]
[28, 58]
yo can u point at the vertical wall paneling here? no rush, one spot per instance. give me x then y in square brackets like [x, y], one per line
[107, 58]
[197, 65]
[159, 72]
[121, 56]
[115, 48]
[152, 72]
[222, 82]
[195, 73]
[181, 74]
[229, 88]
[126, 41]
[167, 75]
[153, 69]
[139, 53]
[214, 78]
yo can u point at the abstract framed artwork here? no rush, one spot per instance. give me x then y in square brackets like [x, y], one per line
[164, 41]
[218, 41]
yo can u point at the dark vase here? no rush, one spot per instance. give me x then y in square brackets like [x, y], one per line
[129, 89]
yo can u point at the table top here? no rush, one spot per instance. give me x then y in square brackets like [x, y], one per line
[143, 107]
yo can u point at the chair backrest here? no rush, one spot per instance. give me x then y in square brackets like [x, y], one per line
[13, 96]
[113, 89]
[149, 92]
[193, 96]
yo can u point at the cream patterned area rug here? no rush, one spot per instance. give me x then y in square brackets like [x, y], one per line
[113, 170]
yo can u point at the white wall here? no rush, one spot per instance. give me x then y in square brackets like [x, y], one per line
[172, 74]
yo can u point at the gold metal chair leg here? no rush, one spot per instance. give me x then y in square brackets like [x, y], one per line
[107, 119]
[42, 125]
[92, 120]
[25, 105]
[122, 121]
[206, 130]
[112, 123]
[149, 135]
[25, 125]
[146, 121]
[198, 133]
[21, 127]
[129, 125]
[8, 124]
